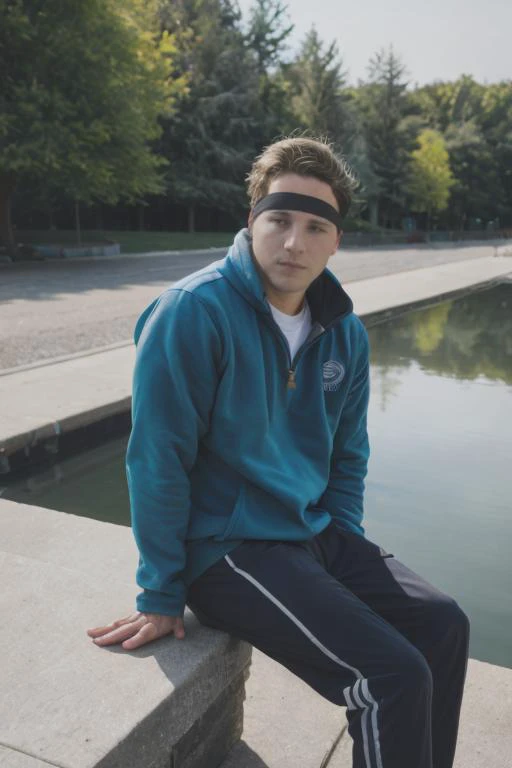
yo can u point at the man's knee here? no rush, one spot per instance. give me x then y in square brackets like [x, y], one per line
[404, 671]
[447, 617]
[459, 619]
[414, 671]
[404, 680]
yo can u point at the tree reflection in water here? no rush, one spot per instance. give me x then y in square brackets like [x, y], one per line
[464, 338]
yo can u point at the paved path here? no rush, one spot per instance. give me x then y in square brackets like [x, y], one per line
[49, 309]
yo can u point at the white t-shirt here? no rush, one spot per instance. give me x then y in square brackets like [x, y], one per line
[296, 328]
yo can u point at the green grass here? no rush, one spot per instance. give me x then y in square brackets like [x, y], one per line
[133, 242]
[142, 242]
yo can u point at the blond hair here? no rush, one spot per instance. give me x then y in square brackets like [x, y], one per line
[304, 156]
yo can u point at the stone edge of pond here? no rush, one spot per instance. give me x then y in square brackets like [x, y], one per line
[375, 318]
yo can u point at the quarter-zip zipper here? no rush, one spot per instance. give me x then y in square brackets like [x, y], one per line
[291, 382]
[291, 364]
[284, 344]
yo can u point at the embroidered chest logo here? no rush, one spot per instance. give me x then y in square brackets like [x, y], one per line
[333, 374]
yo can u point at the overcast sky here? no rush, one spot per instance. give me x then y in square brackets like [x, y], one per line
[436, 40]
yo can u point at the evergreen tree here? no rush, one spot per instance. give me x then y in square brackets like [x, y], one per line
[383, 105]
[267, 33]
[323, 105]
[209, 141]
[317, 82]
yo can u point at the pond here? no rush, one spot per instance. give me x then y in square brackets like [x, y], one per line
[439, 489]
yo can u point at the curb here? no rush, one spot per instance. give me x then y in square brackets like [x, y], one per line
[65, 358]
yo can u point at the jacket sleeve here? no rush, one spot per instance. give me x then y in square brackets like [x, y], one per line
[174, 387]
[343, 497]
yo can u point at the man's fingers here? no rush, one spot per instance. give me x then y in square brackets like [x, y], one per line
[179, 629]
[137, 629]
[153, 630]
[146, 634]
[98, 631]
[120, 633]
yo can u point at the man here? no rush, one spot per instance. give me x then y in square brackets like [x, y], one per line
[246, 468]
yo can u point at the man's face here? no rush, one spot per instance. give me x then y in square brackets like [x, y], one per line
[292, 248]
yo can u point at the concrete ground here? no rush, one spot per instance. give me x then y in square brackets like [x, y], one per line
[287, 725]
[50, 397]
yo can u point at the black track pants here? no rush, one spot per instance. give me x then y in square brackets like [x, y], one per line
[360, 628]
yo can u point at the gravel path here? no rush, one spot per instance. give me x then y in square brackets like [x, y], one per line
[49, 309]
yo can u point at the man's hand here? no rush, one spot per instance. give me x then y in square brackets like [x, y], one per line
[138, 629]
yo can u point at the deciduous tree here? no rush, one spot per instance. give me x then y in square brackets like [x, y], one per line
[430, 175]
[84, 85]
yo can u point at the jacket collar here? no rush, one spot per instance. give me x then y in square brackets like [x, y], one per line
[326, 298]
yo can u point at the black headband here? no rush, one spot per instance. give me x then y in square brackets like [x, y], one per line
[291, 201]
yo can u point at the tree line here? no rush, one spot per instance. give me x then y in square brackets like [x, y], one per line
[159, 107]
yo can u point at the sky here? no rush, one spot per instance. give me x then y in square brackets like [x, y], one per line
[436, 40]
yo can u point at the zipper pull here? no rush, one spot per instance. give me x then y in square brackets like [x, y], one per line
[291, 379]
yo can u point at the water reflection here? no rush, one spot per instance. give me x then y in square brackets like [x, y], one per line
[438, 490]
[465, 338]
[92, 484]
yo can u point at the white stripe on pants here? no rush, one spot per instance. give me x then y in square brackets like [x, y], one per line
[359, 689]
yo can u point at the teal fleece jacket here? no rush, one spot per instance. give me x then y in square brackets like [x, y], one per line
[233, 440]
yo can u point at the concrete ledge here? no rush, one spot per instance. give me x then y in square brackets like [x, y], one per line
[407, 288]
[69, 703]
[44, 402]
[67, 423]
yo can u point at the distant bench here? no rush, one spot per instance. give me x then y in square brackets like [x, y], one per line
[67, 702]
